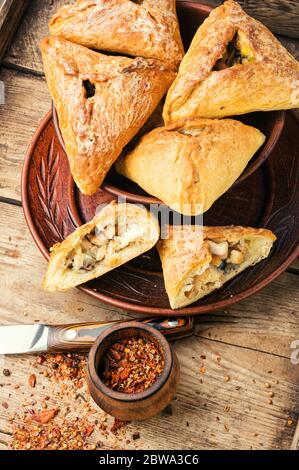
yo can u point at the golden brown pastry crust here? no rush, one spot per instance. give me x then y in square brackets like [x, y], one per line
[268, 80]
[149, 29]
[60, 278]
[189, 172]
[96, 129]
[185, 250]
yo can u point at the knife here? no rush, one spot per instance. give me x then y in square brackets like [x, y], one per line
[30, 339]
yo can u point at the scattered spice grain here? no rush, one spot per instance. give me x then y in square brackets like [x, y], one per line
[118, 424]
[70, 435]
[32, 380]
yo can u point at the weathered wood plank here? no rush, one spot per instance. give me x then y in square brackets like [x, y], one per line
[11, 12]
[281, 16]
[295, 266]
[24, 52]
[221, 414]
[268, 321]
[27, 101]
[4, 441]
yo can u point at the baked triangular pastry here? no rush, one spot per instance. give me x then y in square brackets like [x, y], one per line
[190, 164]
[102, 102]
[234, 66]
[119, 233]
[147, 28]
[198, 260]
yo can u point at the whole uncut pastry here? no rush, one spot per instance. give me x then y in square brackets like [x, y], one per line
[119, 233]
[102, 102]
[147, 28]
[190, 164]
[234, 66]
[198, 260]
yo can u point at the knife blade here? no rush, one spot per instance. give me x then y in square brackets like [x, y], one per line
[79, 337]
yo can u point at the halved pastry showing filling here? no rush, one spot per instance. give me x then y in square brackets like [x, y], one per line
[198, 260]
[119, 233]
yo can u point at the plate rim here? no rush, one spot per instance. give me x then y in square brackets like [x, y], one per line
[140, 309]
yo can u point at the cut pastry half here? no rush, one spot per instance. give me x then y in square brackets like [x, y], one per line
[198, 260]
[119, 233]
[146, 28]
[191, 163]
[101, 102]
[234, 66]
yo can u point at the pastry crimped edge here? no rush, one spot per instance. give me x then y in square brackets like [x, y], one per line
[190, 172]
[96, 129]
[183, 254]
[149, 30]
[54, 280]
[269, 81]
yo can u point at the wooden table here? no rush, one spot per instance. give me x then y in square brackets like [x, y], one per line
[238, 389]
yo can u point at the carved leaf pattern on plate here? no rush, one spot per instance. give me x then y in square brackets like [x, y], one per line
[47, 179]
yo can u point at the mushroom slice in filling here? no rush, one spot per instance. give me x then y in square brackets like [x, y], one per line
[119, 233]
[201, 261]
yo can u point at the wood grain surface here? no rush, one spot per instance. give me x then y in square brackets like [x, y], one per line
[281, 16]
[11, 12]
[222, 400]
[251, 339]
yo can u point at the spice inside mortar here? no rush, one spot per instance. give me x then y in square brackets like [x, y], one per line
[132, 365]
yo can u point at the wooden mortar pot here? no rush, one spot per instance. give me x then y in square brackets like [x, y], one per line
[132, 406]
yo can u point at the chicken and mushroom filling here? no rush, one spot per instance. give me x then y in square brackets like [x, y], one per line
[105, 240]
[237, 51]
[226, 258]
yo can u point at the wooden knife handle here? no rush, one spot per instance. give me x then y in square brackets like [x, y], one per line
[80, 337]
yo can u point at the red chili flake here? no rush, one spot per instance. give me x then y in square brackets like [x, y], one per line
[132, 365]
[88, 430]
[118, 424]
[44, 417]
[32, 380]
[5, 405]
[124, 374]
[41, 360]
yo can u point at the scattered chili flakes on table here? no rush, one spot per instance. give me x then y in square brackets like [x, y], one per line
[61, 367]
[132, 365]
[40, 431]
[71, 435]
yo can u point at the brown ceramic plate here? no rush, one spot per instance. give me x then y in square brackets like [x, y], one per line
[53, 208]
[271, 123]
